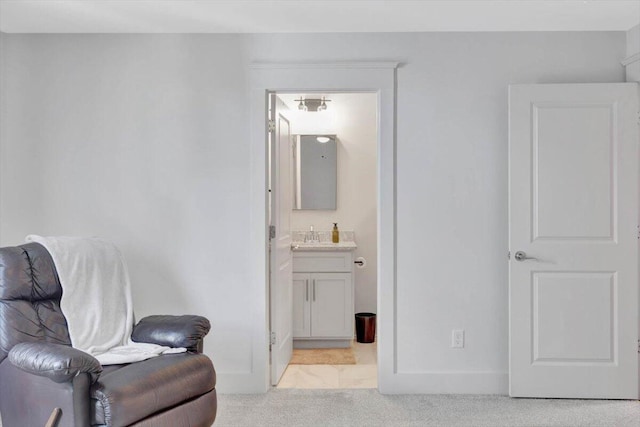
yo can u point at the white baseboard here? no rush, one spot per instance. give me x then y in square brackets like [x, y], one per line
[445, 383]
[321, 343]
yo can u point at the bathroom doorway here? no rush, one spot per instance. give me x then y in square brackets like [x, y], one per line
[323, 205]
[378, 77]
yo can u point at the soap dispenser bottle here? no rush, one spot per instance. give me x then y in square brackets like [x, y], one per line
[335, 234]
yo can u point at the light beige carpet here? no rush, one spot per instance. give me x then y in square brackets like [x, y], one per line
[368, 408]
[323, 356]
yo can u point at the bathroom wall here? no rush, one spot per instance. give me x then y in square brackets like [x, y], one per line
[144, 139]
[353, 118]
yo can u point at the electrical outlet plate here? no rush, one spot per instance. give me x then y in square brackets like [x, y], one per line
[457, 338]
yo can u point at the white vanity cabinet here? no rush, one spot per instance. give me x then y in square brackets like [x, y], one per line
[322, 298]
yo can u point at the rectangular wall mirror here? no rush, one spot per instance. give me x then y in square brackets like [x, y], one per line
[315, 172]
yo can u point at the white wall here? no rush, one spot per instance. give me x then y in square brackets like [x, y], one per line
[353, 118]
[144, 139]
[633, 48]
[140, 140]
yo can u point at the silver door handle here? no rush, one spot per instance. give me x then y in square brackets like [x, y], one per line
[522, 256]
[314, 289]
[306, 292]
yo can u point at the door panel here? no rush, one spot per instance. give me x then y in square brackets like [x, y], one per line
[562, 335]
[573, 212]
[281, 265]
[301, 305]
[331, 304]
[569, 140]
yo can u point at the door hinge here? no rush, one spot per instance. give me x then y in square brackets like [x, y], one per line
[638, 231]
[273, 338]
[638, 346]
[272, 231]
[509, 255]
[271, 125]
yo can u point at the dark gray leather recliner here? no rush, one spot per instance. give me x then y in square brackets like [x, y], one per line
[40, 371]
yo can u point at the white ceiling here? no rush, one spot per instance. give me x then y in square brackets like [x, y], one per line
[297, 16]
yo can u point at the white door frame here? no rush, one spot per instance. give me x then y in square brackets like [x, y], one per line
[377, 77]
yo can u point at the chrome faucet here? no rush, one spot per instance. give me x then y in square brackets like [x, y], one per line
[311, 236]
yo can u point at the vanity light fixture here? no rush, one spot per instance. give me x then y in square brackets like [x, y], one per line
[323, 104]
[322, 139]
[312, 104]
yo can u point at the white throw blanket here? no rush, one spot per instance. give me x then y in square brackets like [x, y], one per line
[96, 299]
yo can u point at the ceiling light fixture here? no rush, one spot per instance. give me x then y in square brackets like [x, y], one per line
[312, 104]
[322, 139]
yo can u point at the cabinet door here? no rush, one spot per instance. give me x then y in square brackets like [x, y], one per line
[331, 305]
[301, 305]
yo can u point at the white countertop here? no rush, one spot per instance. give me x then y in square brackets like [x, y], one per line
[323, 246]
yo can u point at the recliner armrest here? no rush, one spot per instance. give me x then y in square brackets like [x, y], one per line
[172, 331]
[60, 363]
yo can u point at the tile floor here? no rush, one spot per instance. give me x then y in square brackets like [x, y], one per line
[364, 374]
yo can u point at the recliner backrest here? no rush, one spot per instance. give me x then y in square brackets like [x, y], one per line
[30, 295]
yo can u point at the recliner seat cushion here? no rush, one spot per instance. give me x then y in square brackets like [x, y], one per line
[136, 391]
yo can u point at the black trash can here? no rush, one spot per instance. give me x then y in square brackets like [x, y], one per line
[366, 327]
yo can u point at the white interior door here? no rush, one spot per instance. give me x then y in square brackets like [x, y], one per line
[281, 288]
[573, 239]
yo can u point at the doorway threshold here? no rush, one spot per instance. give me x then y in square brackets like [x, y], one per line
[362, 374]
